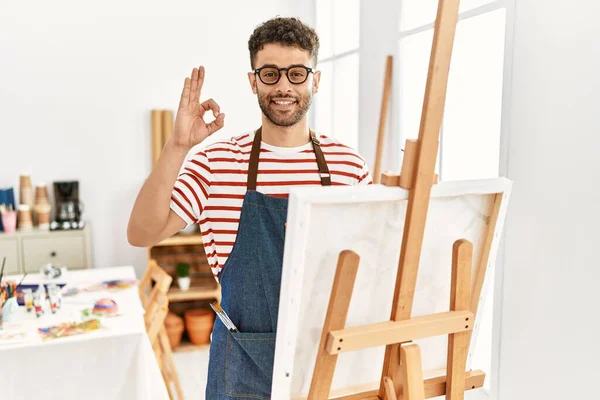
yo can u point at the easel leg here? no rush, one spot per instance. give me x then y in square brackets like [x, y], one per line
[390, 390]
[411, 373]
[337, 311]
[460, 299]
[160, 358]
[169, 362]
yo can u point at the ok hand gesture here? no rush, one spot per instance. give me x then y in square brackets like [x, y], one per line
[190, 128]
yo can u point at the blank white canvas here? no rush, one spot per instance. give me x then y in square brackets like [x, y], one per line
[369, 220]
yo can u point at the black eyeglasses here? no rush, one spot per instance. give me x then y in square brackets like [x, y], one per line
[296, 74]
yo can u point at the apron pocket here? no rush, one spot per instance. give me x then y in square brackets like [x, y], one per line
[249, 364]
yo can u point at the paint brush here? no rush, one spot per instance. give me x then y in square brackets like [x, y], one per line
[22, 279]
[223, 317]
[2, 272]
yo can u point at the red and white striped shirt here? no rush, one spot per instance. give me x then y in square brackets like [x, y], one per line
[212, 183]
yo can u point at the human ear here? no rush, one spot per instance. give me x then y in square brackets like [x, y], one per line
[252, 80]
[316, 80]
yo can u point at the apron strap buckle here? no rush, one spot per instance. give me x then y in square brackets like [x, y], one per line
[314, 138]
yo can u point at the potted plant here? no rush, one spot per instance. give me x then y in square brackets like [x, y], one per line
[183, 276]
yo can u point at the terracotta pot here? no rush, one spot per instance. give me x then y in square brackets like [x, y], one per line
[174, 326]
[199, 323]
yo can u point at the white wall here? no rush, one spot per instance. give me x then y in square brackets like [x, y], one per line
[78, 81]
[550, 326]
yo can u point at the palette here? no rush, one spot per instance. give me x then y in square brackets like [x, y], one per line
[69, 329]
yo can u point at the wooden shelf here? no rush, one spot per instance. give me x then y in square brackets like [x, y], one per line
[186, 248]
[181, 240]
[185, 347]
[202, 289]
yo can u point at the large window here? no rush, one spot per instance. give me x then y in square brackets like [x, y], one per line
[336, 103]
[470, 137]
[470, 134]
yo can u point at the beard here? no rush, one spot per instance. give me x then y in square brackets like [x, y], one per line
[285, 118]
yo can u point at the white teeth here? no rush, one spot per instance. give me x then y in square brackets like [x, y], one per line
[284, 103]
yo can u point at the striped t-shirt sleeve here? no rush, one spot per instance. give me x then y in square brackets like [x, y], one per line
[364, 176]
[192, 188]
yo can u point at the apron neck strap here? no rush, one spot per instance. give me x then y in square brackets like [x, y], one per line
[253, 166]
[255, 155]
[323, 169]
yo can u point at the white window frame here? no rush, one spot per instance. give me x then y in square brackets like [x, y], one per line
[331, 59]
[474, 12]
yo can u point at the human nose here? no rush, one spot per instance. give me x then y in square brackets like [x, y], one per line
[284, 84]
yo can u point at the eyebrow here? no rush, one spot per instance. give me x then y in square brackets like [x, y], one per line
[276, 66]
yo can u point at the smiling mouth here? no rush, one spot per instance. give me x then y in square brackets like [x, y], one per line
[283, 104]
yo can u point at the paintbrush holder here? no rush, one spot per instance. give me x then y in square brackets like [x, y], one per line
[9, 309]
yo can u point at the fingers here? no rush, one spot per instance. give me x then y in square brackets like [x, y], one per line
[194, 85]
[197, 82]
[200, 83]
[210, 104]
[185, 93]
[216, 124]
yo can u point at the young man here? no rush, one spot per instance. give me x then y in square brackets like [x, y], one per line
[237, 191]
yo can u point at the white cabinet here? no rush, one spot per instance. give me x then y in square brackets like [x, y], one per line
[9, 248]
[28, 251]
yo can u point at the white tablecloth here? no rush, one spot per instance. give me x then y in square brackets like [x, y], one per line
[115, 362]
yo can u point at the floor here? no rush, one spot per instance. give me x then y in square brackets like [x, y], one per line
[192, 367]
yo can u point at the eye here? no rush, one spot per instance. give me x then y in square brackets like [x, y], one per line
[297, 73]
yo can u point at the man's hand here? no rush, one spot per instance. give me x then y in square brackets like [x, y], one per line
[190, 128]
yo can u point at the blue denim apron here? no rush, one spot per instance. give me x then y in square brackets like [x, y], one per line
[241, 363]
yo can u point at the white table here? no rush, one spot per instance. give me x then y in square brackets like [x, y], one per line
[116, 362]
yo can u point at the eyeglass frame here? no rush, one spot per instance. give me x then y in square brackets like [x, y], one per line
[309, 70]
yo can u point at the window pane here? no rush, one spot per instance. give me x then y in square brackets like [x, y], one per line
[415, 51]
[466, 5]
[471, 132]
[324, 100]
[414, 63]
[324, 27]
[415, 13]
[346, 23]
[345, 100]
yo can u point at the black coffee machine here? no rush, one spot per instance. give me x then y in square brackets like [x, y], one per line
[68, 208]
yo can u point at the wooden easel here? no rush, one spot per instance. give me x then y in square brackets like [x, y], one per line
[387, 88]
[153, 288]
[402, 375]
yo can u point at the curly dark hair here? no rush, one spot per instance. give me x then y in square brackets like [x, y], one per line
[285, 31]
